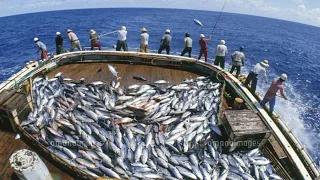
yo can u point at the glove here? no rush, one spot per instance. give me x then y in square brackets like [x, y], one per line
[285, 98]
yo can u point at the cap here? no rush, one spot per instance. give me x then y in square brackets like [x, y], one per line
[168, 31]
[58, 33]
[69, 30]
[284, 77]
[222, 42]
[241, 48]
[187, 35]
[123, 28]
[35, 39]
[92, 31]
[143, 29]
[201, 35]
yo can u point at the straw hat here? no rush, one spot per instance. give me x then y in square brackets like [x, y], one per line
[58, 33]
[92, 31]
[222, 42]
[143, 29]
[265, 63]
[35, 39]
[69, 30]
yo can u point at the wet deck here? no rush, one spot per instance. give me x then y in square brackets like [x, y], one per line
[8, 145]
[100, 72]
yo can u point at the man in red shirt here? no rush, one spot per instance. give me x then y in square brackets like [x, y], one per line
[203, 47]
[270, 96]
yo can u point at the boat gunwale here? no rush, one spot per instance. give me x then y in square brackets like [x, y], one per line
[278, 127]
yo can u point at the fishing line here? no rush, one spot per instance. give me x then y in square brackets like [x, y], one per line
[225, 2]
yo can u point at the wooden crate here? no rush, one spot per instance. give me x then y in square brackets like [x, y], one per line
[14, 108]
[244, 129]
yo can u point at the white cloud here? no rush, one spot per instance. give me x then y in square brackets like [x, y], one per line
[302, 7]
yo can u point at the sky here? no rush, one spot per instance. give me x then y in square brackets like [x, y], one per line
[302, 11]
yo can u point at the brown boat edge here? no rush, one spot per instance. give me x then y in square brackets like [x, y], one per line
[289, 157]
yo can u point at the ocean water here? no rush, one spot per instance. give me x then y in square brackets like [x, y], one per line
[291, 48]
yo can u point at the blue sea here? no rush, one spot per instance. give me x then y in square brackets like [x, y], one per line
[291, 48]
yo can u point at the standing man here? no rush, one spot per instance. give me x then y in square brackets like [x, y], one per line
[221, 52]
[165, 42]
[270, 96]
[41, 47]
[122, 39]
[144, 38]
[187, 45]
[59, 43]
[253, 75]
[237, 61]
[204, 47]
[94, 39]
[74, 41]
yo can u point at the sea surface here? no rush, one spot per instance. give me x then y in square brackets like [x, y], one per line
[291, 48]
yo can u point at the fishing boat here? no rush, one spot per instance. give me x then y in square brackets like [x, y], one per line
[238, 108]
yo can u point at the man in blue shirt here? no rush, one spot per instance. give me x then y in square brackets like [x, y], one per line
[41, 47]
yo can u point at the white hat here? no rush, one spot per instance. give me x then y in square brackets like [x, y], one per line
[265, 63]
[92, 31]
[35, 39]
[284, 77]
[222, 42]
[69, 30]
[201, 35]
[58, 33]
[143, 29]
[123, 28]
[168, 31]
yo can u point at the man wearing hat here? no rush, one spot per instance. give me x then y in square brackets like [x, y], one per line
[203, 43]
[41, 47]
[165, 42]
[122, 39]
[59, 43]
[94, 39]
[253, 75]
[187, 45]
[74, 41]
[221, 52]
[270, 96]
[144, 38]
[237, 61]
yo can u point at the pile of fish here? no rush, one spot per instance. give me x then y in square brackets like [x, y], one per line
[150, 131]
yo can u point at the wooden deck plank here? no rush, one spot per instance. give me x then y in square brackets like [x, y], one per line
[125, 71]
[8, 145]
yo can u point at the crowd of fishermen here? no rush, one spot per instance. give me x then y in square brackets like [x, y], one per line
[237, 57]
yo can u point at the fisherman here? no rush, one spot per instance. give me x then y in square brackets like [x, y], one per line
[41, 47]
[144, 38]
[187, 45]
[74, 41]
[237, 61]
[253, 75]
[59, 43]
[203, 47]
[270, 96]
[221, 52]
[165, 42]
[94, 39]
[122, 39]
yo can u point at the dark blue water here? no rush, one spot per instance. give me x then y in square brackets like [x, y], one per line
[291, 48]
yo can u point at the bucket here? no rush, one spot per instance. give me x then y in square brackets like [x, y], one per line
[28, 166]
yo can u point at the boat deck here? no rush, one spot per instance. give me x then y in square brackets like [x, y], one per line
[8, 145]
[100, 72]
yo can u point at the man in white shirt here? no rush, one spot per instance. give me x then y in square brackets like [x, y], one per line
[74, 41]
[144, 38]
[253, 75]
[122, 39]
[187, 45]
[221, 52]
